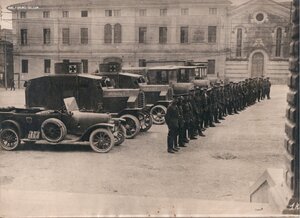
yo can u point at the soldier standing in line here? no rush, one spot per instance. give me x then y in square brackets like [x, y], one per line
[172, 121]
[205, 108]
[227, 99]
[210, 108]
[181, 130]
[258, 87]
[268, 87]
[194, 116]
[222, 112]
[199, 106]
[215, 102]
[187, 118]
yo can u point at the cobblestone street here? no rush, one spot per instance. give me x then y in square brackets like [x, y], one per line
[216, 167]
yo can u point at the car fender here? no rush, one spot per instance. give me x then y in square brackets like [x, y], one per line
[119, 120]
[11, 123]
[85, 135]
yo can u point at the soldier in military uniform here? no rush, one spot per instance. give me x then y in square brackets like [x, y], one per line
[199, 105]
[181, 123]
[194, 116]
[268, 87]
[210, 106]
[172, 121]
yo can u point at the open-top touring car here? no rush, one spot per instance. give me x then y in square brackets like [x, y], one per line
[65, 126]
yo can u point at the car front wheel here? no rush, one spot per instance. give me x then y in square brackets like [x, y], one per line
[9, 139]
[158, 113]
[146, 121]
[132, 126]
[101, 140]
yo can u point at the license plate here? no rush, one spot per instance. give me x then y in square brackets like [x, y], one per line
[34, 135]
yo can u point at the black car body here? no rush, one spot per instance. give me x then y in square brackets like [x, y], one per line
[56, 126]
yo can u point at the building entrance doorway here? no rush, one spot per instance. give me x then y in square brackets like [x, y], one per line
[257, 68]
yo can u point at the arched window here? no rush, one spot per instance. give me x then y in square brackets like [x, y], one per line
[107, 33]
[278, 42]
[239, 37]
[117, 33]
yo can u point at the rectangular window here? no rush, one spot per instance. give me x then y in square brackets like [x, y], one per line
[46, 34]
[117, 13]
[142, 62]
[212, 10]
[23, 36]
[162, 77]
[211, 67]
[163, 35]
[108, 13]
[84, 13]
[184, 34]
[46, 14]
[212, 34]
[23, 14]
[239, 43]
[184, 11]
[47, 65]
[66, 36]
[143, 12]
[85, 66]
[84, 35]
[24, 66]
[163, 12]
[142, 34]
[65, 13]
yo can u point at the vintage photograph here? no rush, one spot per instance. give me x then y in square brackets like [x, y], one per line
[149, 108]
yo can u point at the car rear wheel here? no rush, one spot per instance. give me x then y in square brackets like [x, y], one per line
[158, 113]
[9, 139]
[145, 121]
[101, 140]
[53, 130]
[132, 126]
[120, 135]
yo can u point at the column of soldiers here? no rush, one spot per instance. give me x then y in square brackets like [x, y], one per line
[190, 114]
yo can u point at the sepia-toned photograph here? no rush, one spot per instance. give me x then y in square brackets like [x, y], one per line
[149, 108]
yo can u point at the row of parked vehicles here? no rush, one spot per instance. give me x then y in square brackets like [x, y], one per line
[100, 109]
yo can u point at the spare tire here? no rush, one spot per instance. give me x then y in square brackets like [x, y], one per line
[53, 130]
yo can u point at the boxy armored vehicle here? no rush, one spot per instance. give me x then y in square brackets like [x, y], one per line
[157, 96]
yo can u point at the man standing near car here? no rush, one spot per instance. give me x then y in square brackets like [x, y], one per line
[172, 121]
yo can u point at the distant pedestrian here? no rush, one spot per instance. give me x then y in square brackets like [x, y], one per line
[12, 85]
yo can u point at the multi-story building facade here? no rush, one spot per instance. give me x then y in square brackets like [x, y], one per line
[130, 32]
[6, 58]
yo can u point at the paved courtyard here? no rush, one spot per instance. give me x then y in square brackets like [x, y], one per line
[218, 167]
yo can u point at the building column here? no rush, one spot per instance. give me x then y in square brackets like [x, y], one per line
[292, 118]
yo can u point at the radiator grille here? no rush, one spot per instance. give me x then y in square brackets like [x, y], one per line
[141, 100]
